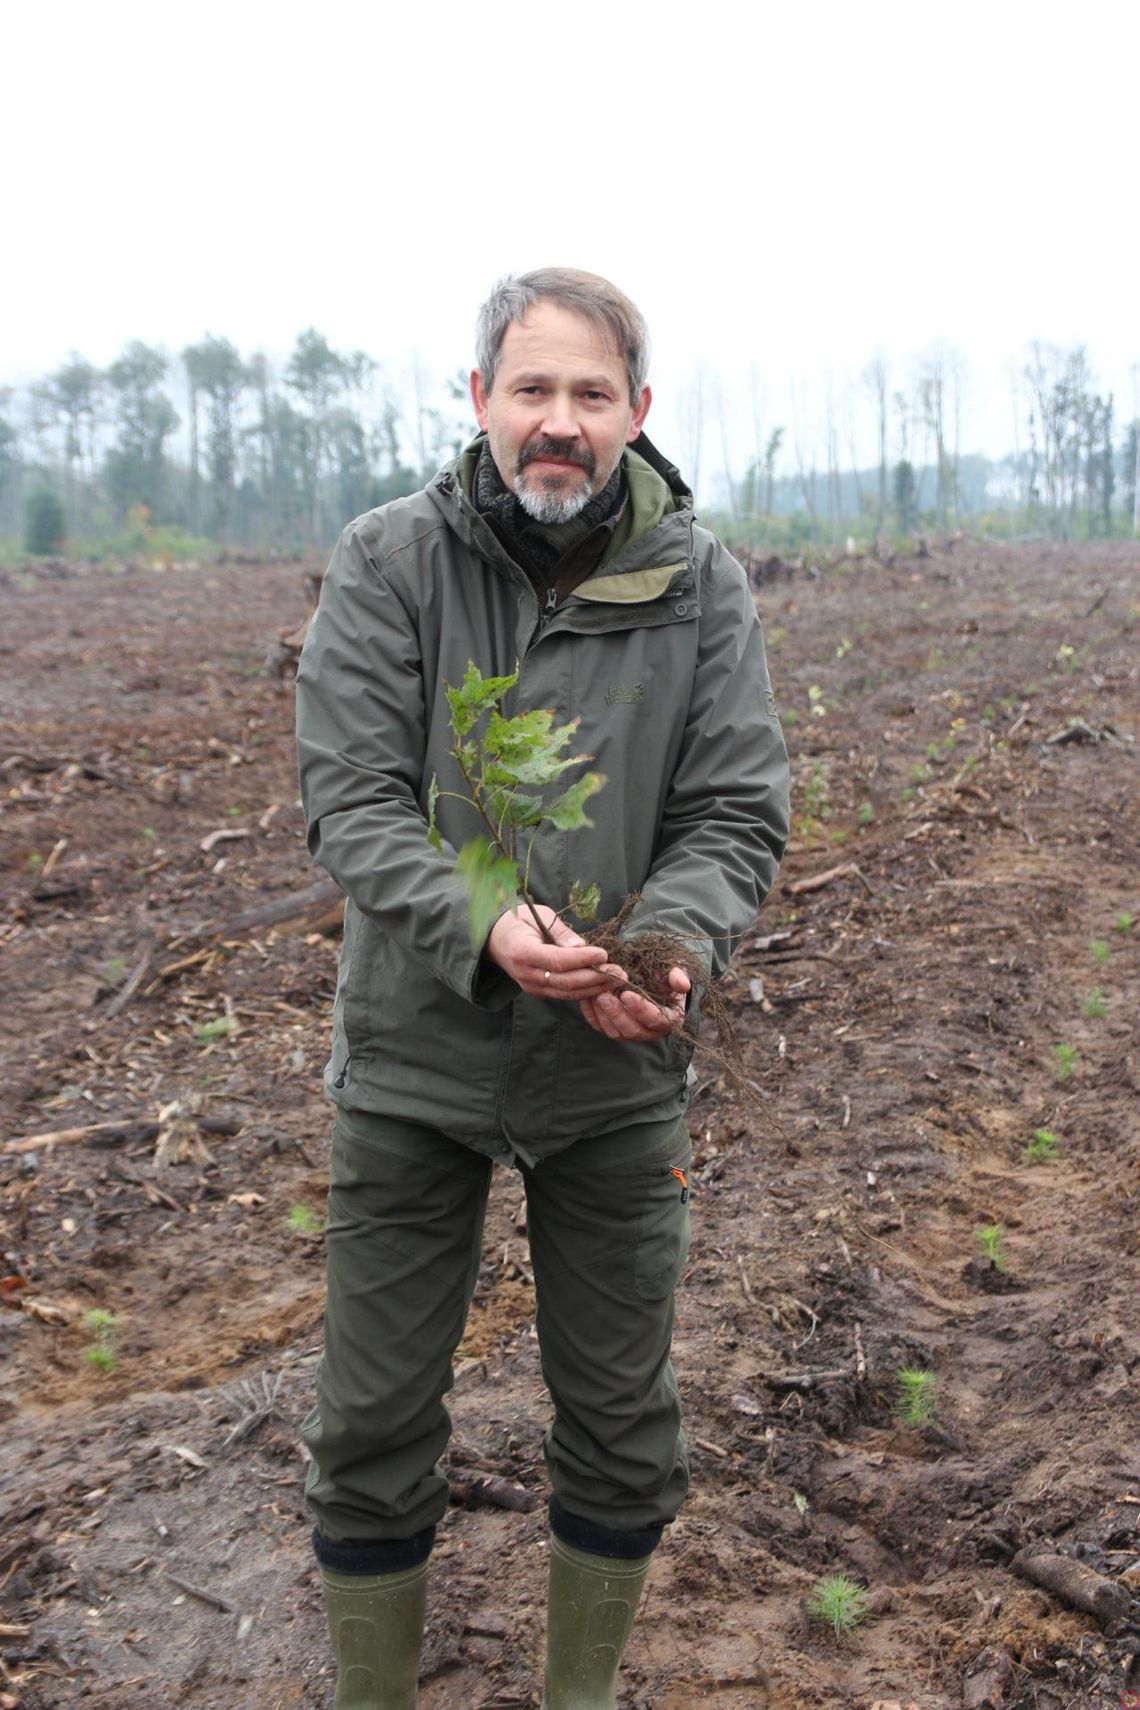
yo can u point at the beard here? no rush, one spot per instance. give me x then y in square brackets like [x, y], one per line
[546, 501]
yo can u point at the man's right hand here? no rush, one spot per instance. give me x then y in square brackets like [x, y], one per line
[568, 968]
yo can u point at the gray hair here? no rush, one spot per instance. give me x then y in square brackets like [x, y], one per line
[585, 294]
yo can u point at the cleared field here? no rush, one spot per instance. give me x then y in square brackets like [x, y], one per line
[963, 980]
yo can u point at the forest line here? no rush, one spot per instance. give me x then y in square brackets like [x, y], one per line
[212, 449]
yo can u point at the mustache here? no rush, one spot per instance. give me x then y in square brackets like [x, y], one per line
[566, 450]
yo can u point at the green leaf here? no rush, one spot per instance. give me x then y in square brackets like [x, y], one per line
[434, 837]
[512, 739]
[567, 811]
[545, 766]
[529, 747]
[474, 695]
[585, 900]
[492, 885]
[513, 808]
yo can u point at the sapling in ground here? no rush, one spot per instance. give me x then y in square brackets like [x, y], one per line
[839, 1601]
[1099, 948]
[1123, 922]
[102, 1327]
[303, 1220]
[1094, 1005]
[1042, 1149]
[915, 1393]
[991, 1244]
[1064, 1056]
[507, 764]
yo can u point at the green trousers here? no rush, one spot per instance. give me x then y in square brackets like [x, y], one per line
[608, 1223]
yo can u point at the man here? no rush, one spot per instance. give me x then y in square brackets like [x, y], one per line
[561, 541]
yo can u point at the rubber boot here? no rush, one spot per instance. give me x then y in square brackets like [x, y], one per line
[377, 1624]
[592, 1603]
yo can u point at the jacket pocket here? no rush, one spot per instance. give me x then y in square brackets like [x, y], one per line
[366, 983]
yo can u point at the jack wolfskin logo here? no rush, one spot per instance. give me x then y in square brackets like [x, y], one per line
[624, 694]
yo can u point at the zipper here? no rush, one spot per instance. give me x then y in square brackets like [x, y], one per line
[549, 608]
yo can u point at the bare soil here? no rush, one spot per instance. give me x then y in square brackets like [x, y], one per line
[902, 1023]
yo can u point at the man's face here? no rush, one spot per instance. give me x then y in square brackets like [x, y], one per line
[559, 414]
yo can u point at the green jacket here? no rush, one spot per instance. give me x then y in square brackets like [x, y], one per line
[659, 655]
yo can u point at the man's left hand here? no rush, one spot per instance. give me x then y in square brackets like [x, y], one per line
[630, 1018]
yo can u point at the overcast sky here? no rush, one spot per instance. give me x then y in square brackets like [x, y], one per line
[779, 189]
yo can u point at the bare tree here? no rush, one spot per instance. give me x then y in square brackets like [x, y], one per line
[725, 459]
[875, 381]
[805, 476]
[692, 412]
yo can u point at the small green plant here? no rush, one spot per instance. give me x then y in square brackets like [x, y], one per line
[142, 752]
[1066, 658]
[815, 793]
[149, 833]
[800, 1501]
[1042, 1149]
[234, 812]
[915, 1393]
[102, 1327]
[1123, 922]
[220, 1028]
[839, 1601]
[933, 752]
[817, 806]
[1094, 1005]
[907, 795]
[991, 1244]
[918, 774]
[1064, 1057]
[115, 970]
[866, 814]
[844, 648]
[790, 717]
[303, 1220]
[815, 700]
[35, 862]
[1099, 948]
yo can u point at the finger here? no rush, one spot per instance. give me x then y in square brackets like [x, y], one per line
[577, 983]
[624, 1020]
[556, 958]
[650, 1018]
[679, 980]
[608, 1011]
[563, 934]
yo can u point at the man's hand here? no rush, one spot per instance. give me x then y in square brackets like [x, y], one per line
[633, 1018]
[568, 968]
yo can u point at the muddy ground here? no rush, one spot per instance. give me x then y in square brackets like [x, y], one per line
[970, 979]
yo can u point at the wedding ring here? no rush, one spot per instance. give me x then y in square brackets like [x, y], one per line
[546, 976]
